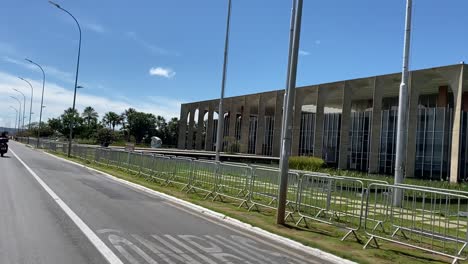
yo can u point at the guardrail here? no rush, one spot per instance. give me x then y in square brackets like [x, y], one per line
[430, 219]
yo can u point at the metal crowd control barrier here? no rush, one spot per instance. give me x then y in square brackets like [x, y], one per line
[203, 177]
[232, 181]
[181, 172]
[264, 188]
[332, 200]
[430, 220]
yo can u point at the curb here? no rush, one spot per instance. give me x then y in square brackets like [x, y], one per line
[221, 217]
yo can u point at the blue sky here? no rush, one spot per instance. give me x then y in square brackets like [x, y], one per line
[155, 54]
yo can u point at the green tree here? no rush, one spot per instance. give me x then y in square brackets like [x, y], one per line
[112, 119]
[68, 118]
[141, 125]
[90, 116]
[172, 132]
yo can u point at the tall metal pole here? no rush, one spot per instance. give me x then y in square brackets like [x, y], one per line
[30, 105]
[19, 116]
[24, 105]
[76, 76]
[402, 108]
[42, 100]
[16, 118]
[287, 137]
[291, 38]
[220, 128]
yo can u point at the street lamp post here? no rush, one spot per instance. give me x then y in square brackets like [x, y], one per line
[288, 112]
[16, 118]
[76, 76]
[402, 127]
[30, 105]
[19, 115]
[24, 105]
[42, 100]
[220, 128]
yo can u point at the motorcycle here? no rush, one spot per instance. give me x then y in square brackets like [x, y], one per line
[3, 148]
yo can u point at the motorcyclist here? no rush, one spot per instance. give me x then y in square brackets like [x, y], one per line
[3, 143]
[4, 137]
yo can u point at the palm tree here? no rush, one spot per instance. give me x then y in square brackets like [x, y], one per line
[112, 119]
[90, 115]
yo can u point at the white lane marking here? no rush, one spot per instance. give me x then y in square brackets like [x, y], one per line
[176, 250]
[191, 250]
[119, 242]
[105, 251]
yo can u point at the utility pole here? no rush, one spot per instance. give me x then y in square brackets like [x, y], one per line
[288, 112]
[402, 126]
[220, 128]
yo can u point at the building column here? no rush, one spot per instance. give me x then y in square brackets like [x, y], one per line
[209, 128]
[260, 125]
[319, 116]
[296, 130]
[182, 127]
[278, 123]
[375, 127]
[244, 141]
[412, 125]
[200, 127]
[345, 122]
[190, 129]
[456, 131]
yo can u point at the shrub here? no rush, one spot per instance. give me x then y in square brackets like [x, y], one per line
[306, 163]
[105, 136]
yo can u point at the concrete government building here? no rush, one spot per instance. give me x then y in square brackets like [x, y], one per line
[351, 124]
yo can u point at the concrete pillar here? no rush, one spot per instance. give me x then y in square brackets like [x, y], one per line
[260, 125]
[278, 123]
[209, 128]
[345, 126]
[456, 131]
[376, 126]
[412, 118]
[244, 142]
[200, 127]
[190, 129]
[297, 113]
[319, 116]
[182, 126]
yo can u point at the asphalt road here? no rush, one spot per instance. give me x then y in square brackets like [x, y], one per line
[135, 226]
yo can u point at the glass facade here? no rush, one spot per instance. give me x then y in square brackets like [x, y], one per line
[331, 138]
[463, 164]
[388, 126]
[306, 139]
[433, 143]
[252, 135]
[359, 141]
[267, 148]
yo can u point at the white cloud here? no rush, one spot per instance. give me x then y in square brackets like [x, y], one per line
[49, 70]
[154, 49]
[57, 99]
[94, 27]
[162, 72]
[304, 53]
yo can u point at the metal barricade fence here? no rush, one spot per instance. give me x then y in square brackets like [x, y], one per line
[264, 188]
[428, 220]
[332, 200]
[233, 181]
[203, 177]
[181, 172]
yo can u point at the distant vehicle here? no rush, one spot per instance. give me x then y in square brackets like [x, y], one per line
[3, 143]
[156, 142]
